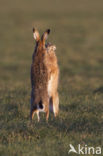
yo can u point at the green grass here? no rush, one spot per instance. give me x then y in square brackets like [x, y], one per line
[77, 31]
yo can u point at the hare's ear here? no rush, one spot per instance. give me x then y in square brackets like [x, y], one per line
[36, 35]
[45, 35]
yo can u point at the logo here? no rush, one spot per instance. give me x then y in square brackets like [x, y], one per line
[85, 150]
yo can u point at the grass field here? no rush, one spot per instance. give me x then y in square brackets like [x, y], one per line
[77, 31]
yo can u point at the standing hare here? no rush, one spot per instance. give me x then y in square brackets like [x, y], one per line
[44, 77]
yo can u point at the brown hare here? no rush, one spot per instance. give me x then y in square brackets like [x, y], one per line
[44, 77]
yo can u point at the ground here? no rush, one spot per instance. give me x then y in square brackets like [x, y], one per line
[77, 31]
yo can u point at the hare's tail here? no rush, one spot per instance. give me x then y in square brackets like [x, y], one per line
[40, 106]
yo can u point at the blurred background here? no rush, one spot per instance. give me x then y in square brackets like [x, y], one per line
[77, 31]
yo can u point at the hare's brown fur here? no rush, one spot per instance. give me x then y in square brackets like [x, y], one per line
[44, 78]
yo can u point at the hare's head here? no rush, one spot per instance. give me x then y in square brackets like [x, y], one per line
[40, 42]
[50, 47]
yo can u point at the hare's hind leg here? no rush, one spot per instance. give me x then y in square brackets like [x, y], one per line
[32, 114]
[47, 115]
[37, 112]
[47, 111]
[56, 104]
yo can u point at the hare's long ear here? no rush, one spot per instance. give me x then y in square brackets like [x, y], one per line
[45, 36]
[36, 35]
